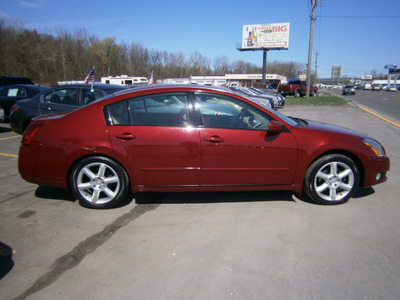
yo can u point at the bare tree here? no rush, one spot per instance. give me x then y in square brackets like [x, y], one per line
[47, 58]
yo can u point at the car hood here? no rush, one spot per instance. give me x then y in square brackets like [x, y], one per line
[323, 127]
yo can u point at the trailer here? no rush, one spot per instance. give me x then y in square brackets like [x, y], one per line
[125, 80]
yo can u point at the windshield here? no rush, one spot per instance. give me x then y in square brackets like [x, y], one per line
[291, 121]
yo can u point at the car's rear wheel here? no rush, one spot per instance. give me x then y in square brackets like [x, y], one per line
[332, 179]
[99, 182]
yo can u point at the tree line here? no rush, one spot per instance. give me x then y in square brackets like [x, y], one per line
[48, 58]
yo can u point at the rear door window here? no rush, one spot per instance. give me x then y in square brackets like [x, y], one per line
[64, 96]
[88, 96]
[169, 109]
[16, 92]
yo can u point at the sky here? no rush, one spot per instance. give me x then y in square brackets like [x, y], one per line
[357, 35]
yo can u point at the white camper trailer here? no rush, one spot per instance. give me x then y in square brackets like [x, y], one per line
[125, 80]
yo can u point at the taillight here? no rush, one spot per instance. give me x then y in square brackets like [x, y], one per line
[30, 133]
[14, 108]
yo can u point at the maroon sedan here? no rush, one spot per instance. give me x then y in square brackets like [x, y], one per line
[194, 138]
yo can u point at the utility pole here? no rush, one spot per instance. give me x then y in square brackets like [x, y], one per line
[316, 66]
[313, 5]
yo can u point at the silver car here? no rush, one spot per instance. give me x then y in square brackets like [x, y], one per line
[272, 100]
[349, 90]
[279, 98]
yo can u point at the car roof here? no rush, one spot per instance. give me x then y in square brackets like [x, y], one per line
[26, 86]
[177, 86]
[7, 80]
[96, 85]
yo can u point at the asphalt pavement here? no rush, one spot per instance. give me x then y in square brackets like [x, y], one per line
[246, 245]
[386, 104]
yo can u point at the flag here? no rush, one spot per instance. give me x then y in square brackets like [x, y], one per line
[190, 80]
[90, 77]
[151, 80]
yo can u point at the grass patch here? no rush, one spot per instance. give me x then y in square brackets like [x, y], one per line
[325, 100]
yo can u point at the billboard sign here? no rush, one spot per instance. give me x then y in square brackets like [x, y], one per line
[336, 72]
[394, 71]
[366, 77]
[266, 36]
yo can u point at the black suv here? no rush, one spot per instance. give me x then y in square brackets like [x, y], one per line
[7, 80]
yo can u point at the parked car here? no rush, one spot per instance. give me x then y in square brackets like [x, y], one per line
[194, 138]
[8, 80]
[1, 114]
[61, 98]
[376, 87]
[9, 94]
[273, 101]
[348, 90]
[281, 99]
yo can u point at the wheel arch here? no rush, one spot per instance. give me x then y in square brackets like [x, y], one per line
[347, 153]
[76, 161]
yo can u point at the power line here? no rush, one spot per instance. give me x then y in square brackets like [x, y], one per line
[361, 17]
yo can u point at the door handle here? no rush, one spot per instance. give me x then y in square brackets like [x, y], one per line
[214, 139]
[125, 136]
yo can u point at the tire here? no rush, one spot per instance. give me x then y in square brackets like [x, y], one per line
[332, 179]
[297, 94]
[99, 182]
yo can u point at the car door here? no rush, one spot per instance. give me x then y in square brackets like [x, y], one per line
[237, 148]
[152, 135]
[62, 99]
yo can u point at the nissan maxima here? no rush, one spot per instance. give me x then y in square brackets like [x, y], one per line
[194, 138]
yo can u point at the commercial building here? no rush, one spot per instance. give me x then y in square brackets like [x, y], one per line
[227, 79]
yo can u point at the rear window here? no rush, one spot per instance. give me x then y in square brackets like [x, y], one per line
[16, 92]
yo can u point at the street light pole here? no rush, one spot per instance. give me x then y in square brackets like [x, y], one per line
[313, 5]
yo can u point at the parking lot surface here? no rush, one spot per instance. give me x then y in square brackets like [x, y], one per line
[246, 245]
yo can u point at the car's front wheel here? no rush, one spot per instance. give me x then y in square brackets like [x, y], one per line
[99, 182]
[332, 179]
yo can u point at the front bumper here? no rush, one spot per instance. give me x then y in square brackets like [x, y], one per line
[376, 170]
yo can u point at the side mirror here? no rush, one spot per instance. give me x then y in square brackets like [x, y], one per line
[274, 127]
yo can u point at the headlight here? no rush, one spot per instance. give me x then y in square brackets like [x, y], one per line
[375, 146]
